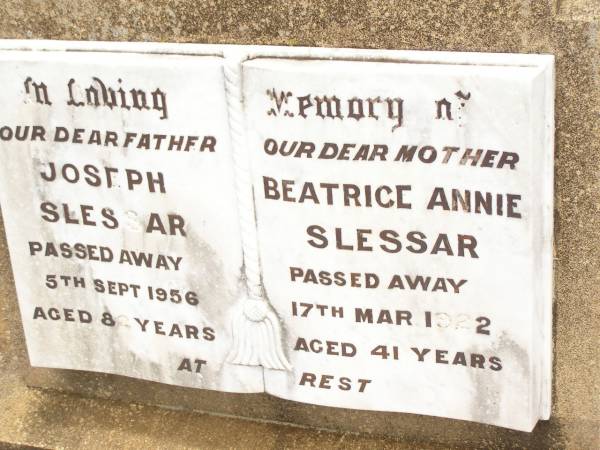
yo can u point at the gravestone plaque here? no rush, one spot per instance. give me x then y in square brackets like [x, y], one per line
[350, 228]
[403, 218]
[119, 203]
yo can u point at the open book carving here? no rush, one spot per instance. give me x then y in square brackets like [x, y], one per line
[364, 229]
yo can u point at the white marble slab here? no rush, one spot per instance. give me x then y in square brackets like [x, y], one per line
[313, 207]
[347, 221]
[195, 187]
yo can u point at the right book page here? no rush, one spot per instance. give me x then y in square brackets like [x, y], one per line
[404, 224]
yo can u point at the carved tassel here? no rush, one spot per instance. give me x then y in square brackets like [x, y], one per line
[256, 328]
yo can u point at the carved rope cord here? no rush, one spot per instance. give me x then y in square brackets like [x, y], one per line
[256, 328]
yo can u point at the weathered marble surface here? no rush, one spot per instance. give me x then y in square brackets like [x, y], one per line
[102, 215]
[308, 232]
[567, 29]
[153, 162]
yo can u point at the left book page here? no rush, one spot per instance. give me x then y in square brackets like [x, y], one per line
[118, 199]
